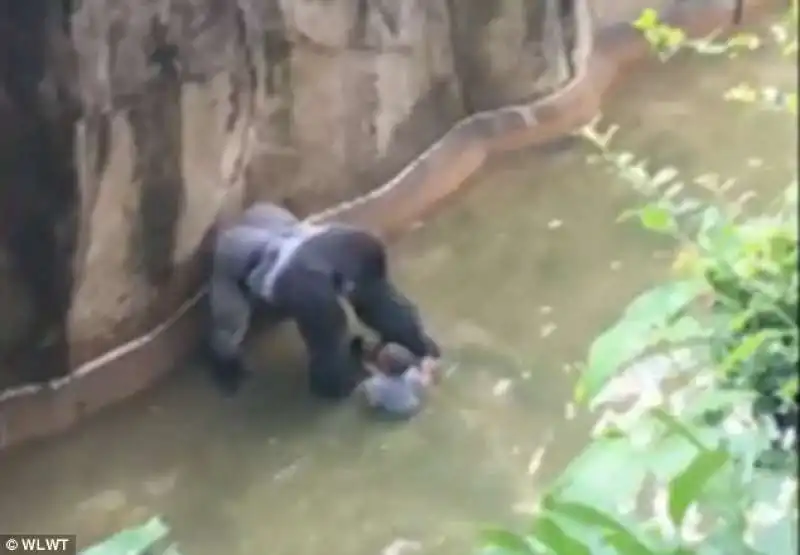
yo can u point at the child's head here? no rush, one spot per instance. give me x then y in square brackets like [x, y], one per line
[394, 360]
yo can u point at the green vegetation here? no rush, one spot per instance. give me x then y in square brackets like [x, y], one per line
[696, 464]
[151, 538]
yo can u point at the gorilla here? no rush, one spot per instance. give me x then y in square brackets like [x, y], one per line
[298, 270]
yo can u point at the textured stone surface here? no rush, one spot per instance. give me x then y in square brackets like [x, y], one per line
[133, 121]
[368, 85]
[613, 11]
[38, 190]
[167, 91]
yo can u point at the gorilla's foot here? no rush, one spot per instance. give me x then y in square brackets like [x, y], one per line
[228, 376]
[331, 389]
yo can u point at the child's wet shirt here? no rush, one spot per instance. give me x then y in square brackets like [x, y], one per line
[397, 395]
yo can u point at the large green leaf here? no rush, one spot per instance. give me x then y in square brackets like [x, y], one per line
[669, 457]
[627, 544]
[658, 218]
[634, 333]
[608, 356]
[744, 351]
[133, 541]
[684, 329]
[624, 540]
[678, 428]
[547, 531]
[650, 307]
[715, 401]
[687, 487]
[607, 471]
[504, 542]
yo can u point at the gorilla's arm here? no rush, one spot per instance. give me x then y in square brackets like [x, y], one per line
[358, 268]
[395, 318]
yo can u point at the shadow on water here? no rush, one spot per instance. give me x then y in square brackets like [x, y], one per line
[516, 278]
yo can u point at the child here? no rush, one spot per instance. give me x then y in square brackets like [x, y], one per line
[398, 383]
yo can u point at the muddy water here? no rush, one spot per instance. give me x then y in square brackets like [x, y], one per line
[515, 277]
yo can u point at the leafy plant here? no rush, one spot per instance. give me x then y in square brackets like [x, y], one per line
[742, 270]
[667, 41]
[659, 480]
[707, 358]
[147, 539]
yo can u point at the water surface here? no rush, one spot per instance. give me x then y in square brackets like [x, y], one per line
[516, 277]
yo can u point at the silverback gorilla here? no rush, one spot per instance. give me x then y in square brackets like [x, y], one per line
[298, 270]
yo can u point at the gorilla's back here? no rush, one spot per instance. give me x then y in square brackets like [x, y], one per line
[255, 248]
[268, 215]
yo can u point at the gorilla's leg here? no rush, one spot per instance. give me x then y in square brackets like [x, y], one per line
[380, 306]
[230, 318]
[334, 362]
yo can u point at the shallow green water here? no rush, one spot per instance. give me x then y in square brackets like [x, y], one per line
[515, 277]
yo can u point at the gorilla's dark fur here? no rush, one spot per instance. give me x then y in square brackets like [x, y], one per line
[300, 271]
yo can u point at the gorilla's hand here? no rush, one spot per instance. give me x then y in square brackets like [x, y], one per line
[431, 347]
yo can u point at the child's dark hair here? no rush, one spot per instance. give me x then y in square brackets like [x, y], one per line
[394, 359]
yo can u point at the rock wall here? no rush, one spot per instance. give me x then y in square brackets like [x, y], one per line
[356, 89]
[131, 126]
[167, 92]
[38, 190]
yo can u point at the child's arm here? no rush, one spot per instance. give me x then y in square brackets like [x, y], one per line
[418, 380]
[430, 368]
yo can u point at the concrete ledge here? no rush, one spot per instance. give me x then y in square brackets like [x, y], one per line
[37, 411]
